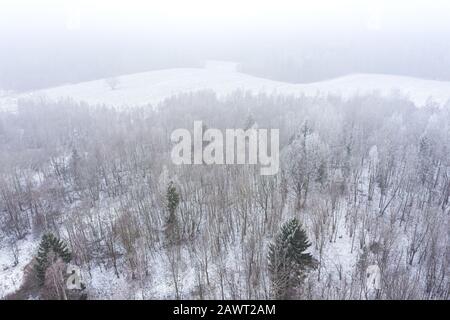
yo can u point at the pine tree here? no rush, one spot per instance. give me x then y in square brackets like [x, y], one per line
[288, 261]
[322, 173]
[50, 244]
[173, 200]
[75, 169]
[249, 122]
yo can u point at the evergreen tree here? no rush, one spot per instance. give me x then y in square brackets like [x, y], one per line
[75, 169]
[288, 261]
[173, 200]
[50, 244]
[322, 173]
[249, 122]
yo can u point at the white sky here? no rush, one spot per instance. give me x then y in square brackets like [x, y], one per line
[225, 14]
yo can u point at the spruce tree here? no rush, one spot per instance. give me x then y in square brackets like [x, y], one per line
[50, 244]
[75, 169]
[173, 200]
[288, 261]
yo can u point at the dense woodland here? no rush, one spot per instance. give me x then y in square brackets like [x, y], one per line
[367, 179]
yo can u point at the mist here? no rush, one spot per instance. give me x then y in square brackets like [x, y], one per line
[225, 150]
[49, 43]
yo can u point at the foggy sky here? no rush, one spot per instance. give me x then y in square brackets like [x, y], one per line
[68, 41]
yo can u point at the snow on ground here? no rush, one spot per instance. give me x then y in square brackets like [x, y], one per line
[103, 284]
[11, 274]
[158, 284]
[154, 86]
[339, 257]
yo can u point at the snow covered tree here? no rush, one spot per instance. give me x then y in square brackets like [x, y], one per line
[288, 261]
[112, 83]
[306, 159]
[54, 286]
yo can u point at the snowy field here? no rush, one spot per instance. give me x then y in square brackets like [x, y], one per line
[154, 86]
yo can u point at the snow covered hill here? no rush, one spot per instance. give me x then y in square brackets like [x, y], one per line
[154, 86]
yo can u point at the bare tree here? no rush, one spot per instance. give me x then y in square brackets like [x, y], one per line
[112, 83]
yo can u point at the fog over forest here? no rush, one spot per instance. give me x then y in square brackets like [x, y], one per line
[116, 181]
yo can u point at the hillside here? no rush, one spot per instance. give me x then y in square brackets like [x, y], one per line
[154, 86]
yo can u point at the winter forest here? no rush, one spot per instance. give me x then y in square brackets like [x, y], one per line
[93, 207]
[367, 178]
